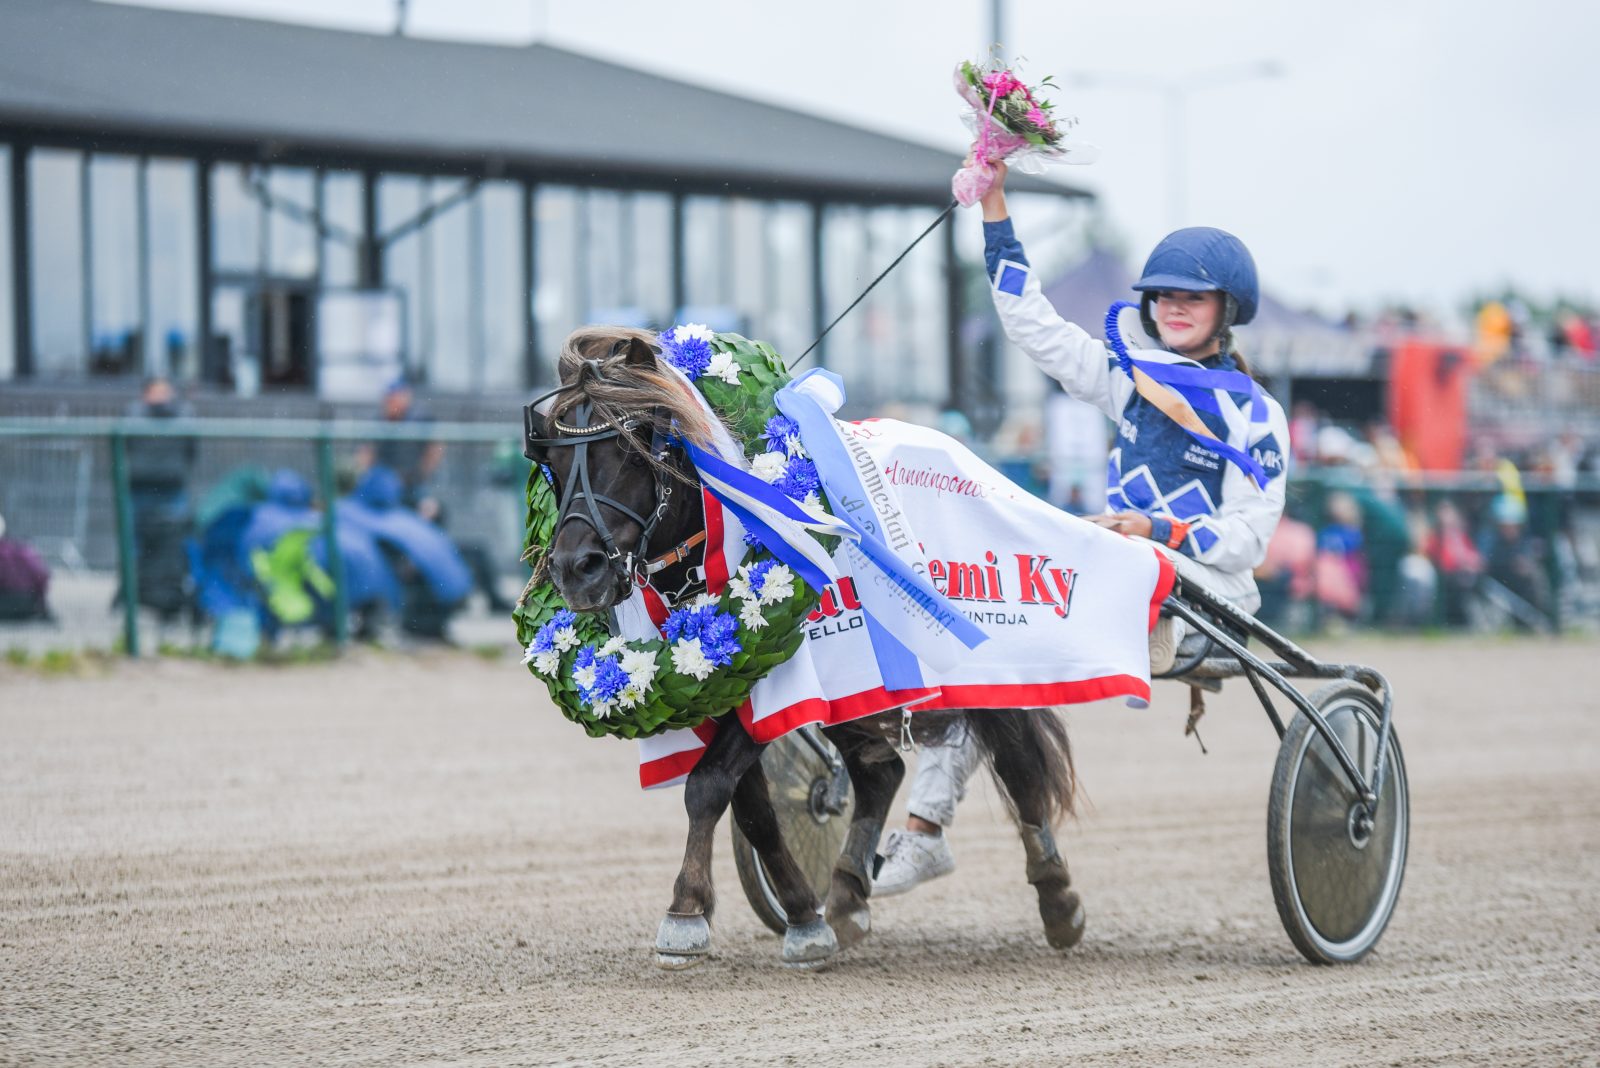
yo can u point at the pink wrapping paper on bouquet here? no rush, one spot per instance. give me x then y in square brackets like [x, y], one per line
[1010, 124]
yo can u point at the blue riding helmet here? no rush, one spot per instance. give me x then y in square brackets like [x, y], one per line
[1202, 259]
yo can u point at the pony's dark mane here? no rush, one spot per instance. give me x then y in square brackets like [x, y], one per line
[595, 359]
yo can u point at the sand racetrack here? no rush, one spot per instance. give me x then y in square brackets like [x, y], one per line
[414, 860]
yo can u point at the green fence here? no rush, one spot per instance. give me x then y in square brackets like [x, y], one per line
[69, 489]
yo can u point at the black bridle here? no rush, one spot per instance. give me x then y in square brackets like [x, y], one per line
[632, 564]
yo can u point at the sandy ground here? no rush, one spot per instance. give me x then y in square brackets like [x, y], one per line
[413, 860]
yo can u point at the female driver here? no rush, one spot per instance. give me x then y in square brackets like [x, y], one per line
[1179, 472]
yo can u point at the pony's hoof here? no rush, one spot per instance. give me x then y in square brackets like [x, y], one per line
[673, 963]
[852, 927]
[1063, 921]
[809, 945]
[682, 941]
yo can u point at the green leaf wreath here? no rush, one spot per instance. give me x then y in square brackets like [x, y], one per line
[716, 649]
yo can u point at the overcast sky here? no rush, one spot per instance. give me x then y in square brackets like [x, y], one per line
[1411, 149]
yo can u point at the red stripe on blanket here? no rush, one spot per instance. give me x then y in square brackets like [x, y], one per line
[716, 560]
[654, 605]
[1035, 695]
[664, 770]
[817, 710]
[1164, 583]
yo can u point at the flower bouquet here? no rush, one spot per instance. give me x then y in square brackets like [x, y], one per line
[1011, 124]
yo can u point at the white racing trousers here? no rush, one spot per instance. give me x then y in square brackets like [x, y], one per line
[940, 782]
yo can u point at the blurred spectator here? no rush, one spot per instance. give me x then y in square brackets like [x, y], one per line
[1341, 568]
[415, 460]
[158, 479]
[1513, 556]
[1305, 421]
[24, 580]
[1286, 577]
[1457, 561]
[1418, 585]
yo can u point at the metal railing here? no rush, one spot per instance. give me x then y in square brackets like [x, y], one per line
[67, 490]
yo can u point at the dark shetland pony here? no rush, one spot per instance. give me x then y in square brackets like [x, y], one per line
[617, 382]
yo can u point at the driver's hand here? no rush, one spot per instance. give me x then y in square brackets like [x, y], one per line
[1133, 524]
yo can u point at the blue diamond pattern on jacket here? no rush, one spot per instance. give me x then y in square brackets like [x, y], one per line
[1204, 539]
[1012, 279]
[1191, 501]
[1141, 489]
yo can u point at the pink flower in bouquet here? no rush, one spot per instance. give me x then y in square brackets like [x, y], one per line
[1002, 83]
[1038, 118]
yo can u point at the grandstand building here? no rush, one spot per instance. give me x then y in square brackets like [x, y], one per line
[283, 218]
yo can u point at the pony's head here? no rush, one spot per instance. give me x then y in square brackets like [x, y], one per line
[604, 436]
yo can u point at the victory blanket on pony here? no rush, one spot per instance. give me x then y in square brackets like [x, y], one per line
[1067, 605]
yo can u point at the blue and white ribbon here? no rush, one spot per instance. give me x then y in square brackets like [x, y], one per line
[783, 524]
[1195, 385]
[913, 620]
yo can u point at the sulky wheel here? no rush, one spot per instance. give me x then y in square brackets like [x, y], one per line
[813, 813]
[1335, 873]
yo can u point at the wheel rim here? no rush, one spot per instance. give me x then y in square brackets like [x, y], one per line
[1345, 869]
[798, 781]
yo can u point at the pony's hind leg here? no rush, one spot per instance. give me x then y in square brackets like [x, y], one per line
[809, 942]
[685, 934]
[1030, 756]
[875, 771]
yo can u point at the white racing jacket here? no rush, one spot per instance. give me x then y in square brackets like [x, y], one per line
[1218, 516]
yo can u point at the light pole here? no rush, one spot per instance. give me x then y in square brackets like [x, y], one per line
[1174, 92]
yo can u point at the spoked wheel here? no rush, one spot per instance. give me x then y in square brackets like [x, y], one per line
[813, 813]
[1336, 873]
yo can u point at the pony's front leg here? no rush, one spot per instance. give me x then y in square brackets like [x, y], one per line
[875, 772]
[684, 937]
[809, 942]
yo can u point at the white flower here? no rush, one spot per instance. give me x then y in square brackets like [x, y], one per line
[723, 367]
[631, 695]
[584, 676]
[688, 659]
[703, 599]
[564, 639]
[739, 585]
[769, 466]
[750, 615]
[546, 663]
[612, 647]
[683, 333]
[779, 585]
[640, 665]
[602, 709]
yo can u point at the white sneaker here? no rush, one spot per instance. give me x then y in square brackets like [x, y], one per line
[911, 858]
[1164, 644]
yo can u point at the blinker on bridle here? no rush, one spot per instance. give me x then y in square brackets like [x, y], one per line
[578, 489]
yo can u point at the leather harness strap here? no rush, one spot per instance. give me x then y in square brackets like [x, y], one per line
[674, 556]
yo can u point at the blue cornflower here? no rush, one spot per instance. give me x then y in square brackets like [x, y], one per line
[688, 352]
[609, 681]
[719, 639]
[758, 575]
[783, 435]
[799, 478]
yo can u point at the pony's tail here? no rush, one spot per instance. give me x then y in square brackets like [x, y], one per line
[1028, 749]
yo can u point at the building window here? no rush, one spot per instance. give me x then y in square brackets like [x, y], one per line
[117, 313]
[457, 256]
[172, 344]
[748, 268]
[8, 335]
[56, 254]
[291, 233]
[237, 222]
[342, 211]
[560, 298]
[891, 350]
[504, 314]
